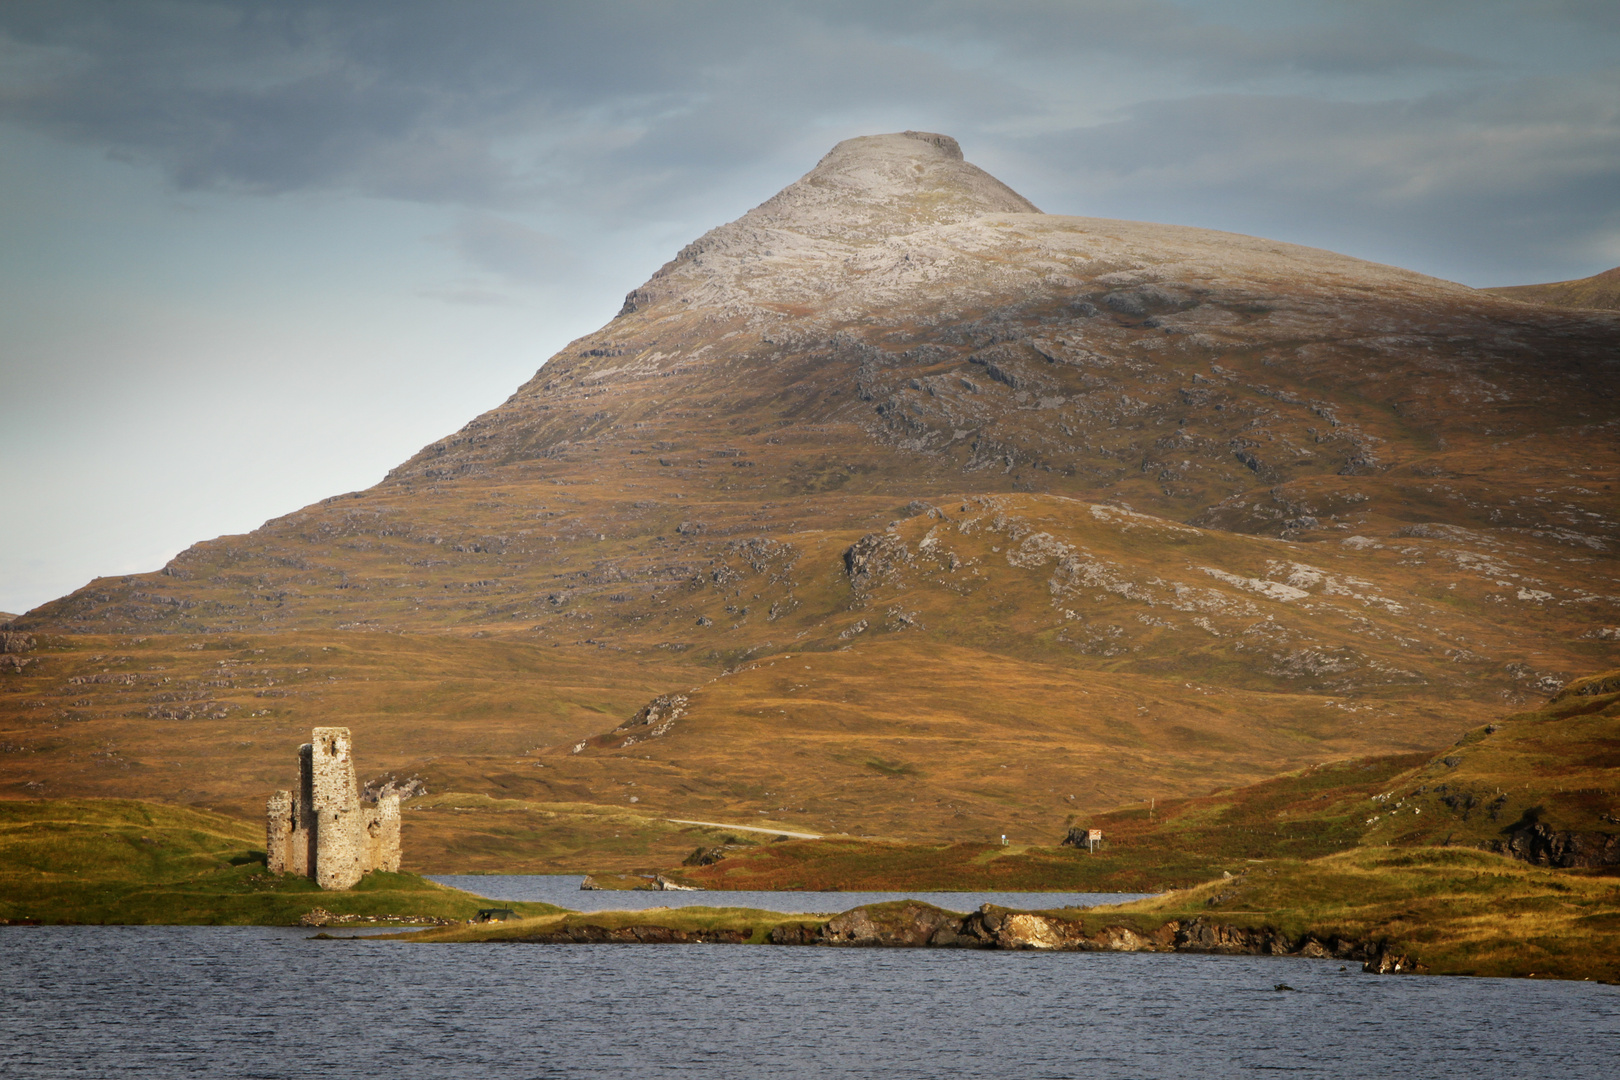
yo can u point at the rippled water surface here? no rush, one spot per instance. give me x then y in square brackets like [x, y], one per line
[564, 891]
[267, 1002]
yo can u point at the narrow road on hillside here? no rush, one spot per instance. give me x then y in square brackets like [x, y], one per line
[748, 828]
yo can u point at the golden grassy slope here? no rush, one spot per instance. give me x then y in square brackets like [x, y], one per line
[1528, 784]
[1449, 911]
[996, 666]
[1598, 291]
[464, 833]
[964, 745]
[216, 720]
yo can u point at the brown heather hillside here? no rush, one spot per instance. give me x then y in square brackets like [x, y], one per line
[946, 518]
[1598, 291]
[1541, 786]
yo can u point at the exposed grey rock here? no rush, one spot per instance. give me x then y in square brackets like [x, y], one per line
[381, 788]
[1535, 842]
[660, 883]
[651, 721]
[872, 558]
[15, 641]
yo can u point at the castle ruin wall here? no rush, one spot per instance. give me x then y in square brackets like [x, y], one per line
[382, 834]
[278, 832]
[326, 833]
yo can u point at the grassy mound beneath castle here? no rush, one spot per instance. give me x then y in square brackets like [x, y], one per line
[129, 862]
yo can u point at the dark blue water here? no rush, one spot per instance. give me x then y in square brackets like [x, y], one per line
[564, 891]
[264, 1002]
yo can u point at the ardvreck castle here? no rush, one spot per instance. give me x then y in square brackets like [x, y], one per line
[326, 833]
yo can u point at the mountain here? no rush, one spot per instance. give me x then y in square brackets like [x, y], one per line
[899, 506]
[1598, 291]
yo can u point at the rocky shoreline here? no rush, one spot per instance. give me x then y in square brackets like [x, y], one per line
[915, 925]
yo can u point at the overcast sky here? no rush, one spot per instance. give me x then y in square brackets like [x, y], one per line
[254, 254]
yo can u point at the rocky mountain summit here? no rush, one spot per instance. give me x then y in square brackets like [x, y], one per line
[1117, 499]
[869, 203]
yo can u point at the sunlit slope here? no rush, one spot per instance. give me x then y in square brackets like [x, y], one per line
[1598, 291]
[216, 721]
[1541, 786]
[896, 736]
[979, 666]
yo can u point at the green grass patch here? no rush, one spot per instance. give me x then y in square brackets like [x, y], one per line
[128, 862]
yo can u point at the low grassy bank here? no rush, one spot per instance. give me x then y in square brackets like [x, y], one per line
[1451, 911]
[685, 925]
[129, 862]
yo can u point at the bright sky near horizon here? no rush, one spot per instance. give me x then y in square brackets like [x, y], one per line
[255, 253]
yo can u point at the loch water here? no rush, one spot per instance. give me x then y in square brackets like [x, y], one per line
[228, 1002]
[564, 891]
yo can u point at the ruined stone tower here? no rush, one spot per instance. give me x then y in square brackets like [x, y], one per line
[326, 833]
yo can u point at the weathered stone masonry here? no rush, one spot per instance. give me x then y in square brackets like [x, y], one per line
[326, 833]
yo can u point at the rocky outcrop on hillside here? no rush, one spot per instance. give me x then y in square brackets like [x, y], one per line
[12, 645]
[1536, 842]
[376, 790]
[872, 558]
[653, 720]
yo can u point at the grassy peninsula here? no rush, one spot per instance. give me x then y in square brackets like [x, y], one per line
[123, 861]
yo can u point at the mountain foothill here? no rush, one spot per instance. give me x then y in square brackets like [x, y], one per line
[898, 507]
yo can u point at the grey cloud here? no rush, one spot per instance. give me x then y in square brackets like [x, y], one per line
[1445, 180]
[508, 248]
[468, 296]
[628, 112]
[1220, 41]
[482, 104]
[399, 100]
